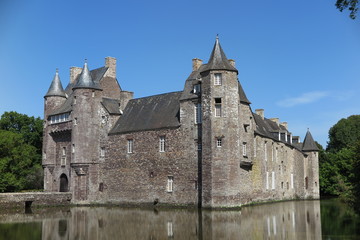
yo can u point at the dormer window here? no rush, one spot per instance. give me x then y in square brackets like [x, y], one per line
[59, 118]
[197, 89]
[217, 79]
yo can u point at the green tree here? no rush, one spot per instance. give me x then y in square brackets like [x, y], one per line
[351, 5]
[29, 127]
[345, 133]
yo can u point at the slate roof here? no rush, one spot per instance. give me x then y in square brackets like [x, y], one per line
[85, 80]
[218, 59]
[242, 95]
[111, 105]
[149, 113]
[56, 88]
[309, 144]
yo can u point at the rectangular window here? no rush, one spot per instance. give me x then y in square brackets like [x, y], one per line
[64, 151]
[169, 186]
[217, 79]
[73, 148]
[276, 154]
[265, 151]
[272, 180]
[198, 113]
[102, 152]
[218, 112]
[244, 149]
[218, 142]
[197, 88]
[267, 180]
[63, 160]
[130, 145]
[162, 144]
[292, 181]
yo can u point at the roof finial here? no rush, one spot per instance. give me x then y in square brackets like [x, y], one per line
[217, 37]
[57, 71]
[85, 60]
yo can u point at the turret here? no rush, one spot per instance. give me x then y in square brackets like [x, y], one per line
[226, 130]
[311, 166]
[55, 96]
[85, 135]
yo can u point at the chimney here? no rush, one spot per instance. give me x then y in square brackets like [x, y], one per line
[260, 112]
[285, 125]
[275, 120]
[196, 63]
[110, 62]
[232, 62]
[74, 73]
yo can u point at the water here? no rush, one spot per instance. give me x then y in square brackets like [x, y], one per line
[327, 219]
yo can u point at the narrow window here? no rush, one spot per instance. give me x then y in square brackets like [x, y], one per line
[93, 94]
[130, 145]
[162, 144]
[267, 180]
[218, 142]
[218, 79]
[292, 180]
[73, 148]
[64, 151]
[276, 154]
[63, 160]
[198, 117]
[74, 99]
[197, 89]
[272, 180]
[265, 151]
[244, 149]
[102, 152]
[199, 146]
[75, 121]
[169, 186]
[306, 183]
[218, 112]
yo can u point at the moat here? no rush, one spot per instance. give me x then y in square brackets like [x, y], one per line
[325, 219]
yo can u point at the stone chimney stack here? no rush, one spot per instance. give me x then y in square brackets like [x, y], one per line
[285, 125]
[275, 120]
[260, 112]
[196, 63]
[110, 62]
[74, 73]
[232, 62]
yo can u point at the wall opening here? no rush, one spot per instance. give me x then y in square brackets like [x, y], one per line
[64, 183]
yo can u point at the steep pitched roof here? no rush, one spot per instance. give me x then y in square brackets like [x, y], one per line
[85, 80]
[111, 105]
[218, 60]
[242, 95]
[56, 88]
[149, 113]
[309, 144]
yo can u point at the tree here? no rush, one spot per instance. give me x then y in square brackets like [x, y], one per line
[344, 133]
[351, 5]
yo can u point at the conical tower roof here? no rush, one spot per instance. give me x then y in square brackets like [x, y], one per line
[56, 88]
[218, 59]
[309, 144]
[85, 80]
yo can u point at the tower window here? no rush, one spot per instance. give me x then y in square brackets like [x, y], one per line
[218, 110]
[197, 89]
[169, 186]
[218, 142]
[102, 152]
[198, 117]
[162, 144]
[130, 145]
[217, 79]
[244, 149]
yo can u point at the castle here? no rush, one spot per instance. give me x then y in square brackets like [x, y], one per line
[202, 146]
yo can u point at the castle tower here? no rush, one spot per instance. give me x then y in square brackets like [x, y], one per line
[54, 98]
[311, 167]
[85, 135]
[225, 131]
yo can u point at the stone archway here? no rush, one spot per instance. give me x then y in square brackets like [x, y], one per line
[64, 183]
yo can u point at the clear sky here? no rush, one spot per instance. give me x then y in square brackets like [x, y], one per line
[298, 60]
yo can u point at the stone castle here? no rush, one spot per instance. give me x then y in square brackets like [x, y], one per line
[202, 146]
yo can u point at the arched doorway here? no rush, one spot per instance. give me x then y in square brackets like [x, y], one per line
[64, 183]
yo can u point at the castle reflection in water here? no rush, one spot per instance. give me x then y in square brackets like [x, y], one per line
[285, 220]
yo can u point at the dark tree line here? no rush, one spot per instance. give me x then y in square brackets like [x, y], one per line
[351, 5]
[340, 162]
[20, 152]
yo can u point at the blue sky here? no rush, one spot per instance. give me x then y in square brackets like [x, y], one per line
[298, 60]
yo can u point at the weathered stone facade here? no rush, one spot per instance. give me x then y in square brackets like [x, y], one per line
[202, 146]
